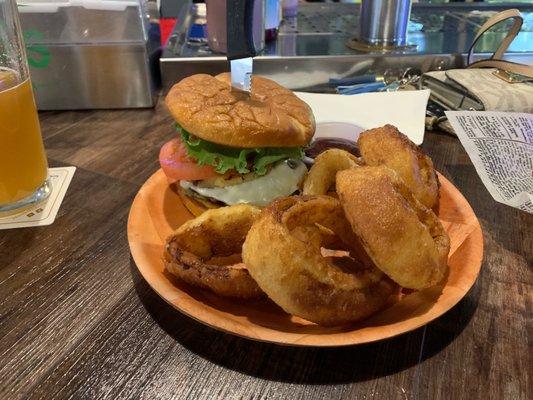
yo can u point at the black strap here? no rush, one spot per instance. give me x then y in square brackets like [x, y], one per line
[239, 22]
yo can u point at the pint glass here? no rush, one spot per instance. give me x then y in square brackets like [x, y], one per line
[23, 165]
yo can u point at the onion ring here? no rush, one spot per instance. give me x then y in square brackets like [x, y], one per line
[388, 146]
[321, 176]
[292, 271]
[404, 238]
[200, 250]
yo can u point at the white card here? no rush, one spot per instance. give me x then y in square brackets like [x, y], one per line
[405, 109]
[44, 213]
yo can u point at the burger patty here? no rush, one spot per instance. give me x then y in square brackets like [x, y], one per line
[230, 178]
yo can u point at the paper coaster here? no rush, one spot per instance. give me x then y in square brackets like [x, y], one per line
[43, 213]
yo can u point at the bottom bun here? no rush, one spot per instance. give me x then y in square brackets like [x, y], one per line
[195, 205]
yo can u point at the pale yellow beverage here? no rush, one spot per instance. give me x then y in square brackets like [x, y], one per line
[23, 165]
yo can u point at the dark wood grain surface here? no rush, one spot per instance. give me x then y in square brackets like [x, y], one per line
[78, 321]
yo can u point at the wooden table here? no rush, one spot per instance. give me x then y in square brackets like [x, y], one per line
[77, 320]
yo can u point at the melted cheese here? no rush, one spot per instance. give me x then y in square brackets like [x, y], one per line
[281, 181]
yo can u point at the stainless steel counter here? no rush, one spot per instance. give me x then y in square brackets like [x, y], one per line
[311, 48]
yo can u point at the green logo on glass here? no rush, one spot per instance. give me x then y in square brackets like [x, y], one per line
[38, 55]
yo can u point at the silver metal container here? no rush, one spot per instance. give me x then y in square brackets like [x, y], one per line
[88, 54]
[384, 22]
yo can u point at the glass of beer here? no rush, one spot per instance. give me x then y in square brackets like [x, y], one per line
[23, 165]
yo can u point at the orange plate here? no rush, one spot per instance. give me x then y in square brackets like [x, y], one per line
[157, 211]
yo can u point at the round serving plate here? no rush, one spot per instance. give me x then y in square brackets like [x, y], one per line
[157, 211]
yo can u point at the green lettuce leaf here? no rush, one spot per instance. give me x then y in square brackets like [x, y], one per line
[226, 158]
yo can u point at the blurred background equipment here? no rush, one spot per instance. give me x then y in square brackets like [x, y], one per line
[313, 47]
[87, 54]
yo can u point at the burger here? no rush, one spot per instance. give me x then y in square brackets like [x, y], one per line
[233, 148]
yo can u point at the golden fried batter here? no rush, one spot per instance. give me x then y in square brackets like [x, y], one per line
[283, 252]
[388, 146]
[321, 176]
[404, 238]
[199, 251]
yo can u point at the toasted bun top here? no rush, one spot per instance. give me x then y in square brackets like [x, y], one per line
[273, 116]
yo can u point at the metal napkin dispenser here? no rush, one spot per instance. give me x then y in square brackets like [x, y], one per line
[88, 54]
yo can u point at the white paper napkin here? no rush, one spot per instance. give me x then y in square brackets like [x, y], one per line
[404, 109]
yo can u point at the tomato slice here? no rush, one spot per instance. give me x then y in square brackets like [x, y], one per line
[177, 165]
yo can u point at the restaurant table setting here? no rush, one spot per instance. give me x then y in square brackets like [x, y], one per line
[79, 273]
[241, 240]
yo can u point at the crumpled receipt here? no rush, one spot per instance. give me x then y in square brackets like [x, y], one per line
[500, 145]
